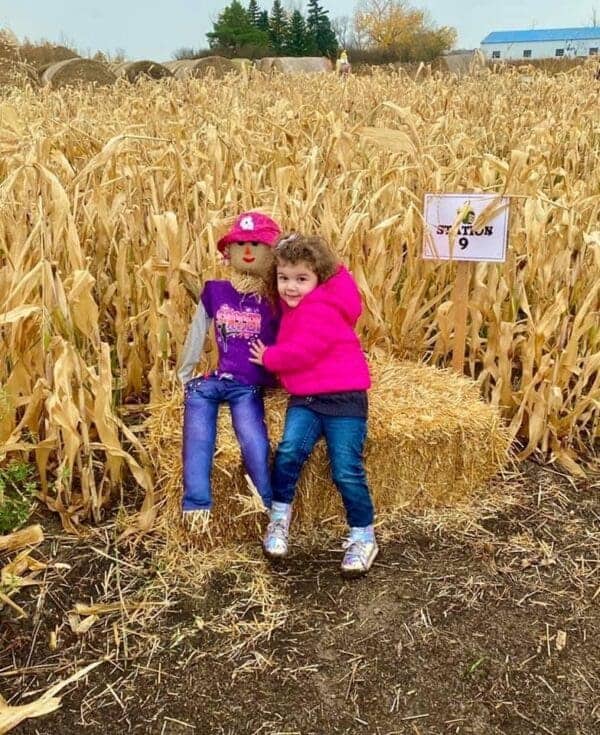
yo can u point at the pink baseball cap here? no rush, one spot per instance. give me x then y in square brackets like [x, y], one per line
[251, 227]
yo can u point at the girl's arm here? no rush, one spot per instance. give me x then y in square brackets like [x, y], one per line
[304, 347]
[194, 344]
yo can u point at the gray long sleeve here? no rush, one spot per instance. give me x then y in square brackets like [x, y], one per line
[194, 344]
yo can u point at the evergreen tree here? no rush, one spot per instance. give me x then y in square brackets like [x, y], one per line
[322, 36]
[263, 21]
[234, 29]
[278, 27]
[298, 42]
[254, 13]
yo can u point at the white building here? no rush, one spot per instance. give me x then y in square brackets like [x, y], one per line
[543, 43]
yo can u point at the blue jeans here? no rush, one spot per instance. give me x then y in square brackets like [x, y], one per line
[203, 396]
[345, 437]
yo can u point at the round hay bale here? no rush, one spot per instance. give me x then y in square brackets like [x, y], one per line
[466, 62]
[243, 64]
[17, 74]
[41, 69]
[175, 66]
[432, 441]
[264, 65]
[218, 66]
[72, 72]
[301, 64]
[172, 66]
[134, 70]
[41, 56]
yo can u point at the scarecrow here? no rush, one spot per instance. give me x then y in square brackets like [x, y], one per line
[242, 311]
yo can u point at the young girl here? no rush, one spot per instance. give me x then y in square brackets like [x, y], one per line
[319, 360]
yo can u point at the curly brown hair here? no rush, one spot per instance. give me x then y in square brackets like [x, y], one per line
[310, 249]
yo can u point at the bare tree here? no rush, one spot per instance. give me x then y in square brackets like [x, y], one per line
[342, 27]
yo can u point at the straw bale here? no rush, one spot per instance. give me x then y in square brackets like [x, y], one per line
[300, 64]
[265, 64]
[17, 74]
[133, 70]
[218, 66]
[41, 56]
[432, 441]
[173, 65]
[72, 72]
[242, 64]
[470, 62]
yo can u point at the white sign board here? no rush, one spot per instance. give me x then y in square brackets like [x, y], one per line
[443, 212]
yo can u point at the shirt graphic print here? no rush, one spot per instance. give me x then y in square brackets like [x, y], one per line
[230, 322]
[239, 319]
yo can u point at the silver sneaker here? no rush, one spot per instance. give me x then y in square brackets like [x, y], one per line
[361, 552]
[275, 542]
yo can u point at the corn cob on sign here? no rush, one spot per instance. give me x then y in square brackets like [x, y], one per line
[465, 227]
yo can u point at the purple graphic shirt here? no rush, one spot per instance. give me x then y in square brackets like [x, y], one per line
[239, 319]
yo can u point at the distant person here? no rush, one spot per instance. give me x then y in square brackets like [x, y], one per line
[319, 360]
[342, 65]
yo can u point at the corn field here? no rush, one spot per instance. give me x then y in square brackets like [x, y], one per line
[112, 201]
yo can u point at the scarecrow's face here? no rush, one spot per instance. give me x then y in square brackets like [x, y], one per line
[251, 257]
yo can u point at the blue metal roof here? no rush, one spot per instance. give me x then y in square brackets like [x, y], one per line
[543, 34]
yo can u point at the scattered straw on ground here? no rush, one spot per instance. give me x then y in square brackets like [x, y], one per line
[11, 716]
[172, 618]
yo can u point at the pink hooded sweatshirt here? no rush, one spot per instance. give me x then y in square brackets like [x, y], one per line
[317, 350]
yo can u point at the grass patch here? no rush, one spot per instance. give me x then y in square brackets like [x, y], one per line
[17, 492]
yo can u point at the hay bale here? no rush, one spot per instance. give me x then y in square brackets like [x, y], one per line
[134, 70]
[72, 72]
[218, 66]
[432, 441]
[464, 62]
[264, 65]
[297, 64]
[17, 74]
[243, 65]
[41, 56]
[174, 66]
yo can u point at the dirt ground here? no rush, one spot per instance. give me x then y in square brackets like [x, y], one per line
[482, 621]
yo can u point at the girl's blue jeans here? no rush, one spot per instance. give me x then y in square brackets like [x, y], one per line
[345, 437]
[203, 396]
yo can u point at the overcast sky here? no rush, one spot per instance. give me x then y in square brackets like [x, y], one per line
[154, 29]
